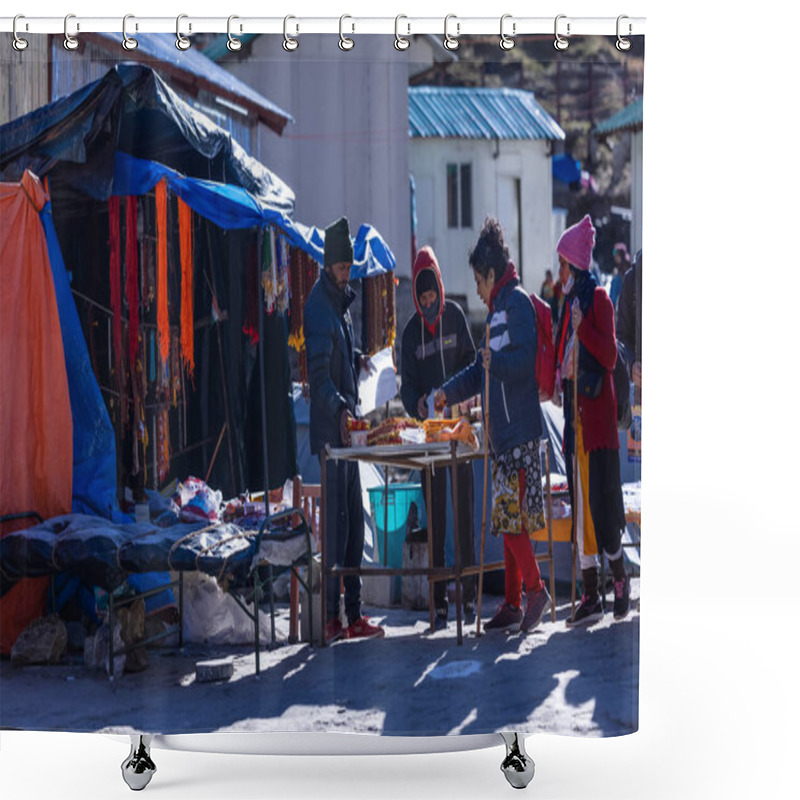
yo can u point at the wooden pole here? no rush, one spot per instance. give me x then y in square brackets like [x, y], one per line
[575, 486]
[485, 416]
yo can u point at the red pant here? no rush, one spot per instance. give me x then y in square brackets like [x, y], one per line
[520, 564]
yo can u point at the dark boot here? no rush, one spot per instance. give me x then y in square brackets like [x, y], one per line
[622, 588]
[590, 610]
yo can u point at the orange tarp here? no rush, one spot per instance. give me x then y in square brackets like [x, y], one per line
[35, 415]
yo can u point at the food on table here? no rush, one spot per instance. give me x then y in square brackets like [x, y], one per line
[388, 432]
[446, 430]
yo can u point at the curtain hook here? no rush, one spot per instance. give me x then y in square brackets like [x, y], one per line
[128, 42]
[233, 44]
[451, 42]
[19, 43]
[560, 42]
[400, 42]
[289, 44]
[182, 43]
[507, 42]
[345, 43]
[623, 44]
[70, 42]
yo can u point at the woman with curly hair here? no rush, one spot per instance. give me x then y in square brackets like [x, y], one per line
[514, 426]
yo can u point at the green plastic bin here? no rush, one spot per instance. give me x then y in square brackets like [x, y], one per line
[398, 501]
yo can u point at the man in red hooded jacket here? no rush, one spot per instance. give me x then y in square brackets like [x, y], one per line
[436, 344]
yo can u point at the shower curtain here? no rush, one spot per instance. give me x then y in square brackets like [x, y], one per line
[175, 211]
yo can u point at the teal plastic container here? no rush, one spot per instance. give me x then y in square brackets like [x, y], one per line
[398, 502]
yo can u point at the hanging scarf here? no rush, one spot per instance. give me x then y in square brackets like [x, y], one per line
[509, 275]
[132, 280]
[187, 287]
[162, 310]
[251, 275]
[115, 284]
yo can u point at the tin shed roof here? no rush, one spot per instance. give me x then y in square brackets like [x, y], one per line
[629, 119]
[465, 112]
[196, 70]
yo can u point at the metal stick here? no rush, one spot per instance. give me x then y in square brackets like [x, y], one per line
[485, 417]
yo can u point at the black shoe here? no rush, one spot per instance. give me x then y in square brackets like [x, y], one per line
[588, 612]
[538, 605]
[622, 598]
[469, 613]
[440, 620]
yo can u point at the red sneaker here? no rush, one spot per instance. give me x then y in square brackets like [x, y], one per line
[363, 629]
[334, 630]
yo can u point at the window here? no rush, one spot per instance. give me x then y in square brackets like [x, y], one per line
[459, 195]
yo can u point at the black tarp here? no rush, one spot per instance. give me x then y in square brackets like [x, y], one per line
[132, 109]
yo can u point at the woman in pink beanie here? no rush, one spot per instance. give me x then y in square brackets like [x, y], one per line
[598, 513]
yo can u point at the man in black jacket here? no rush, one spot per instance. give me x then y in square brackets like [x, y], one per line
[629, 321]
[333, 367]
[436, 344]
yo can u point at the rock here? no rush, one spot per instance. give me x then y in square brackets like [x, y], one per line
[44, 641]
[95, 650]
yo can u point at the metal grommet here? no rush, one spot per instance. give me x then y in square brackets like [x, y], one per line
[560, 42]
[451, 42]
[623, 44]
[400, 42]
[70, 42]
[233, 44]
[506, 42]
[345, 43]
[182, 43]
[18, 42]
[128, 42]
[289, 44]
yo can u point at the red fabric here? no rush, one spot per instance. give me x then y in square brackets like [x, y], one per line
[162, 307]
[187, 287]
[509, 275]
[545, 348]
[115, 284]
[35, 414]
[598, 335]
[132, 281]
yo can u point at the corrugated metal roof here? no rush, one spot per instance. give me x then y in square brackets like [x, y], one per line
[192, 65]
[631, 118]
[463, 112]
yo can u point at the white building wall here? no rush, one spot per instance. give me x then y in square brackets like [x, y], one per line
[347, 152]
[636, 191]
[526, 160]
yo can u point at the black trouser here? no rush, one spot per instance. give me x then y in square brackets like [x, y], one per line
[465, 536]
[344, 535]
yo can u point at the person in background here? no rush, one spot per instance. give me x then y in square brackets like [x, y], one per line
[436, 344]
[598, 512]
[514, 424]
[333, 367]
[621, 263]
[548, 290]
[629, 322]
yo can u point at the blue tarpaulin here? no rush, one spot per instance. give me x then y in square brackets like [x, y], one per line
[94, 459]
[233, 207]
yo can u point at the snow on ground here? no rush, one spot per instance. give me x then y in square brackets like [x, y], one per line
[580, 681]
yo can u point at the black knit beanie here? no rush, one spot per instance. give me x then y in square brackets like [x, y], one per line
[338, 246]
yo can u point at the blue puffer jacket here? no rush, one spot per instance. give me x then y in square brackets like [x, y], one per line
[514, 413]
[333, 360]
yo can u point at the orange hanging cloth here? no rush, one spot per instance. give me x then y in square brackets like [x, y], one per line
[187, 288]
[162, 309]
[35, 412]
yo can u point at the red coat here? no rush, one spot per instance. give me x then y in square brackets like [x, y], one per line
[599, 415]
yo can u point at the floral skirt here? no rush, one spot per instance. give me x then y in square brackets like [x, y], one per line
[517, 500]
